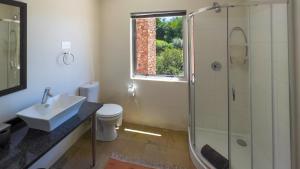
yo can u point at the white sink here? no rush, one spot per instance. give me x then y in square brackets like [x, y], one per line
[56, 111]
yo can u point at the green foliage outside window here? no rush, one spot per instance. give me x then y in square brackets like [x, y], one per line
[162, 45]
[169, 46]
[170, 62]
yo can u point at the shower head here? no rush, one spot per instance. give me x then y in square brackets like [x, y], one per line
[217, 7]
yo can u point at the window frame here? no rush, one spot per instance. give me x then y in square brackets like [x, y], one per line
[133, 59]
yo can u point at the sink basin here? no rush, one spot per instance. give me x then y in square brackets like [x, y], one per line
[56, 111]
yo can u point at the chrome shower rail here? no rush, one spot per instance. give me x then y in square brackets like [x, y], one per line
[217, 7]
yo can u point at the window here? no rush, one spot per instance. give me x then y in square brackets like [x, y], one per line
[158, 45]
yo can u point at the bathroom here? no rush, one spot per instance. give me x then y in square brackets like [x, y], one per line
[166, 121]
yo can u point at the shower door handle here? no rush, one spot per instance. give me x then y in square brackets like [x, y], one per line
[233, 94]
[193, 79]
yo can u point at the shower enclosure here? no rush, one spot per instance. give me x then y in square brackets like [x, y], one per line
[239, 85]
[9, 52]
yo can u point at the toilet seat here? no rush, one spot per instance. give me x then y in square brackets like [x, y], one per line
[109, 111]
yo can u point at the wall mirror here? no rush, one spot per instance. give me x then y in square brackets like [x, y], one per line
[13, 23]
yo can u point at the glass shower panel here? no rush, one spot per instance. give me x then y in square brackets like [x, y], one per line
[259, 85]
[4, 42]
[13, 55]
[239, 88]
[269, 86]
[281, 99]
[211, 107]
[260, 28]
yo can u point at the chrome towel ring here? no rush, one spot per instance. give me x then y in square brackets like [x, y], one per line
[68, 58]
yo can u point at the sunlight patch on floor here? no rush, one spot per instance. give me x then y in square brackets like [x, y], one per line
[142, 132]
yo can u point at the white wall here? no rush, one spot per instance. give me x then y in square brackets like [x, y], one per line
[50, 22]
[160, 104]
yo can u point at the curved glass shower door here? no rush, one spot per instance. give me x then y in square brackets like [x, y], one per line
[240, 86]
[210, 91]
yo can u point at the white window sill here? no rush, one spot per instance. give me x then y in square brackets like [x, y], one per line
[160, 79]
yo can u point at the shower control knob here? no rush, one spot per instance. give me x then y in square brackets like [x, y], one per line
[216, 66]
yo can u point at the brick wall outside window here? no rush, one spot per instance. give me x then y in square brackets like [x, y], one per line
[146, 46]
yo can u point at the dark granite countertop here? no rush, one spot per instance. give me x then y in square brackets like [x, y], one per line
[28, 145]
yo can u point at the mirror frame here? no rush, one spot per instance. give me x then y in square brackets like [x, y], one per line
[23, 46]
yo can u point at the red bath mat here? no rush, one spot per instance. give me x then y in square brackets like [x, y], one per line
[116, 164]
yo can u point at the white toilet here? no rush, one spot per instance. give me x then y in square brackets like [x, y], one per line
[108, 117]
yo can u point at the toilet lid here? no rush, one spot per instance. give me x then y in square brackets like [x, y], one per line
[110, 110]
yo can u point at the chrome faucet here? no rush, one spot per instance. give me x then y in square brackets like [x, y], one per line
[46, 95]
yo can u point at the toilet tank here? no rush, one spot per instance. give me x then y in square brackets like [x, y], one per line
[90, 91]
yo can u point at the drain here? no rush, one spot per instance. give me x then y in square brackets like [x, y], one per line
[241, 142]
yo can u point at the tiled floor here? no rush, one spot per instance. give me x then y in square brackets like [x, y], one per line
[170, 151]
